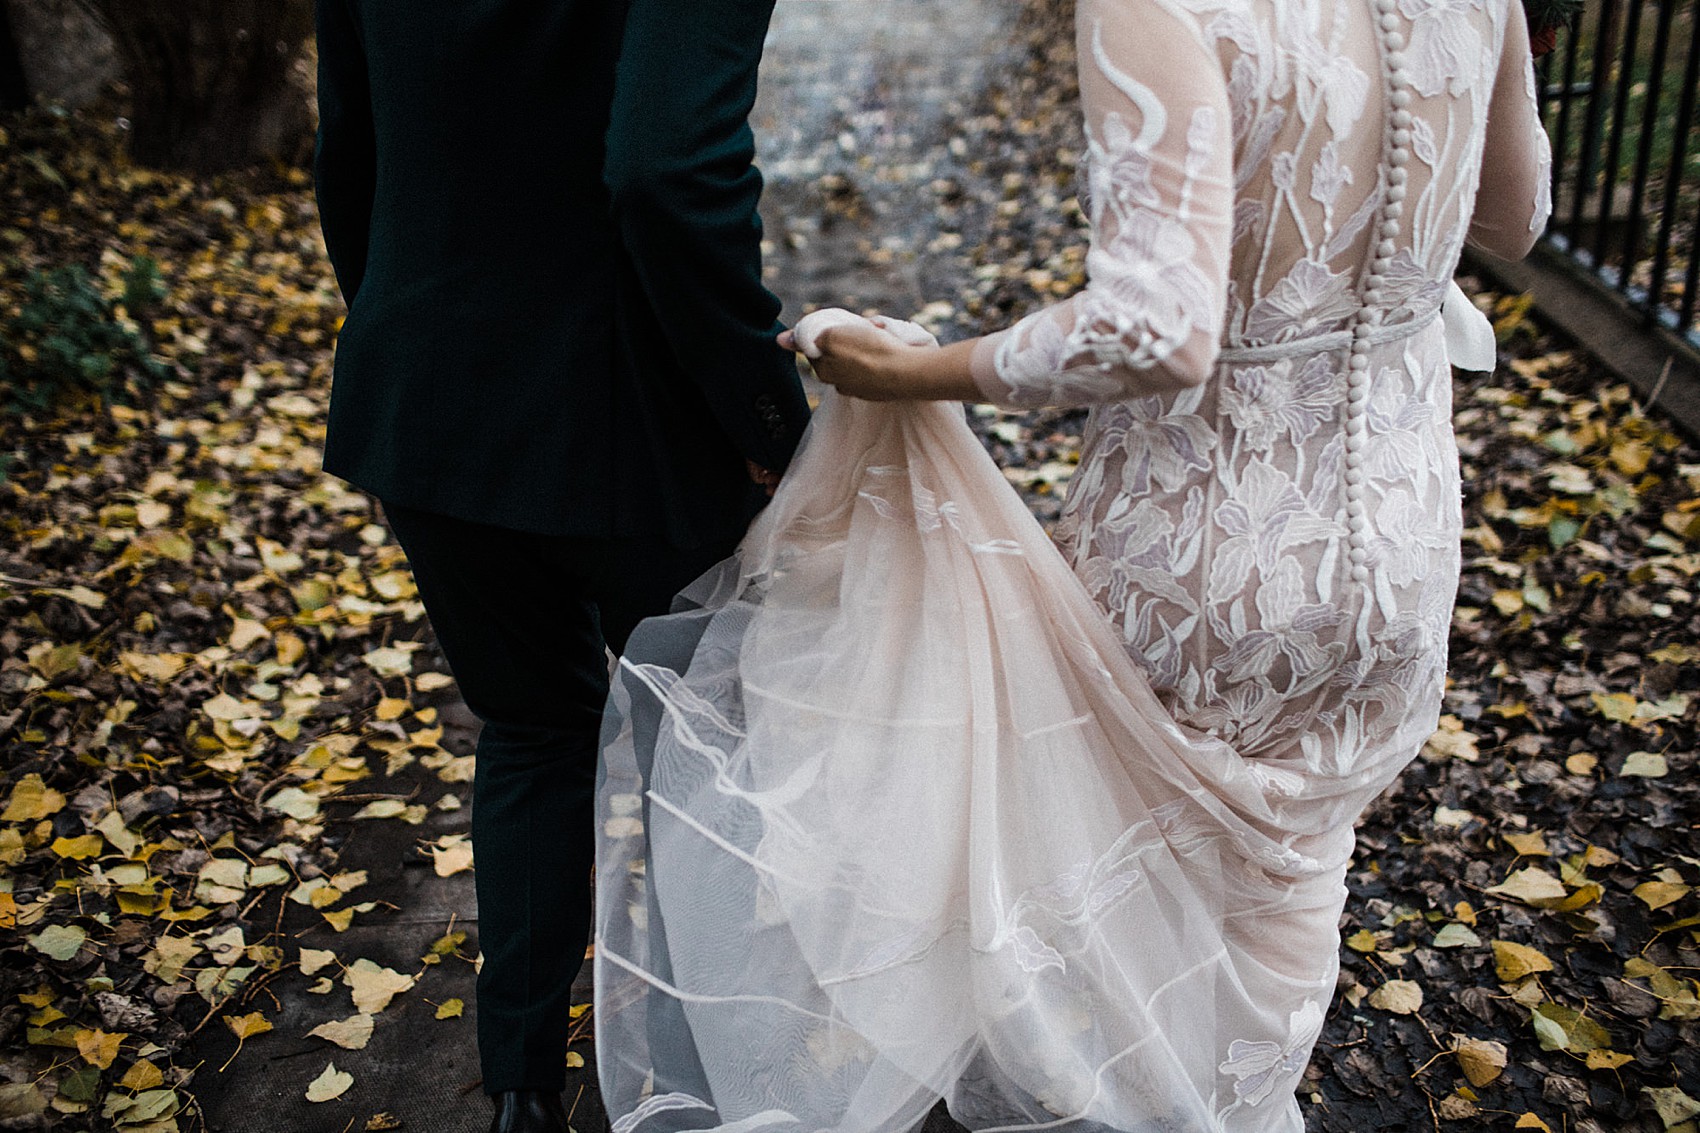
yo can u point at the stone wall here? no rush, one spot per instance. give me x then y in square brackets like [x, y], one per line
[66, 56]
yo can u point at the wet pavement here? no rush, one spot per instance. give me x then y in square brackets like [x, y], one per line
[858, 136]
[416, 1069]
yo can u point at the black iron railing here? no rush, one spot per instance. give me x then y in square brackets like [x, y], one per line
[1619, 99]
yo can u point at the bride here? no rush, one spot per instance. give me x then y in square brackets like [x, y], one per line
[906, 802]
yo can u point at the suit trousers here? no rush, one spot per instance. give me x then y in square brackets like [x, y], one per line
[523, 620]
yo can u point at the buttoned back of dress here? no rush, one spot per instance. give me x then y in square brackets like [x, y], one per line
[1279, 191]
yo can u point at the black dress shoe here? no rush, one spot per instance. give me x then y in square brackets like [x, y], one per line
[528, 1111]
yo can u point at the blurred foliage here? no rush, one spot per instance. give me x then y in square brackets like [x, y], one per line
[67, 340]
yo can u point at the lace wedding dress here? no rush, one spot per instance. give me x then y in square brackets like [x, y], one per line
[906, 802]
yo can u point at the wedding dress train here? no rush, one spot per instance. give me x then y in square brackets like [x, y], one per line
[930, 833]
[906, 802]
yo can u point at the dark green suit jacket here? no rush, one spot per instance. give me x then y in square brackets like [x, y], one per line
[542, 214]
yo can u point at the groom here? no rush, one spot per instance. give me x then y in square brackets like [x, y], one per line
[558, 373]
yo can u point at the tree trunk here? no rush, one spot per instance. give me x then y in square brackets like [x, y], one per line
[14, 90]
[211, 81]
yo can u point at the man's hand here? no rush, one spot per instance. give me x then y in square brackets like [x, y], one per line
[767, 479]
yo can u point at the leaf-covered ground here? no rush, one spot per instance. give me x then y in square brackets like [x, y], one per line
[207, 663]
[203, 642]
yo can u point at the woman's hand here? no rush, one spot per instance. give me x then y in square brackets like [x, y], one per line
[866, 362]
[879, 360]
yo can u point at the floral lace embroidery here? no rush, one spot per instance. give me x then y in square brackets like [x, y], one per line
[1287, 592]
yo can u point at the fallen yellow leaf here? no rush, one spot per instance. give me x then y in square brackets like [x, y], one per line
[290, 648]
[352, 1033]
[1618, 707]
[245, 632]
[1452, 741]
[32, 800]
[1531, 886]
[1658, 894]
[1399, 997]
[329, 1085]
[159, 668]
[142, 1075]
[373, 986]
[80, 848]
[1582, 763]
[1530, 845]
[391, 660]
[99, 1048]
[312, 959]
[1672, 1105]
[1513, 962]
[1645, 764]
[451, 854]
[247, 1026]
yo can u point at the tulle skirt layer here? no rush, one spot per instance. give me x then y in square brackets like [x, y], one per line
[889, 815]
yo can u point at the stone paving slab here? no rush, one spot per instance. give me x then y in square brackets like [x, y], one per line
[422, 1070]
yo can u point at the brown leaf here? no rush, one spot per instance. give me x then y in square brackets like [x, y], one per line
[1481, 1060]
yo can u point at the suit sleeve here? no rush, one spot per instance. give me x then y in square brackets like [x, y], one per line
[680, 169]
[345, 153]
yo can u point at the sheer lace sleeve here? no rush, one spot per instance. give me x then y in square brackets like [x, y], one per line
[1515, 197]
[1159, 157]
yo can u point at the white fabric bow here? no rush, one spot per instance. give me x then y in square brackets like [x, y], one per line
[1470, 343]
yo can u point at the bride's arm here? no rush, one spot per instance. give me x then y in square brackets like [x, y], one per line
[1515, 197]
[1150, 317]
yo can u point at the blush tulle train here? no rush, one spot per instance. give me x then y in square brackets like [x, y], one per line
[889, 815]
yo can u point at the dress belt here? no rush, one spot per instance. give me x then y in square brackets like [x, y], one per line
[1324, 343]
